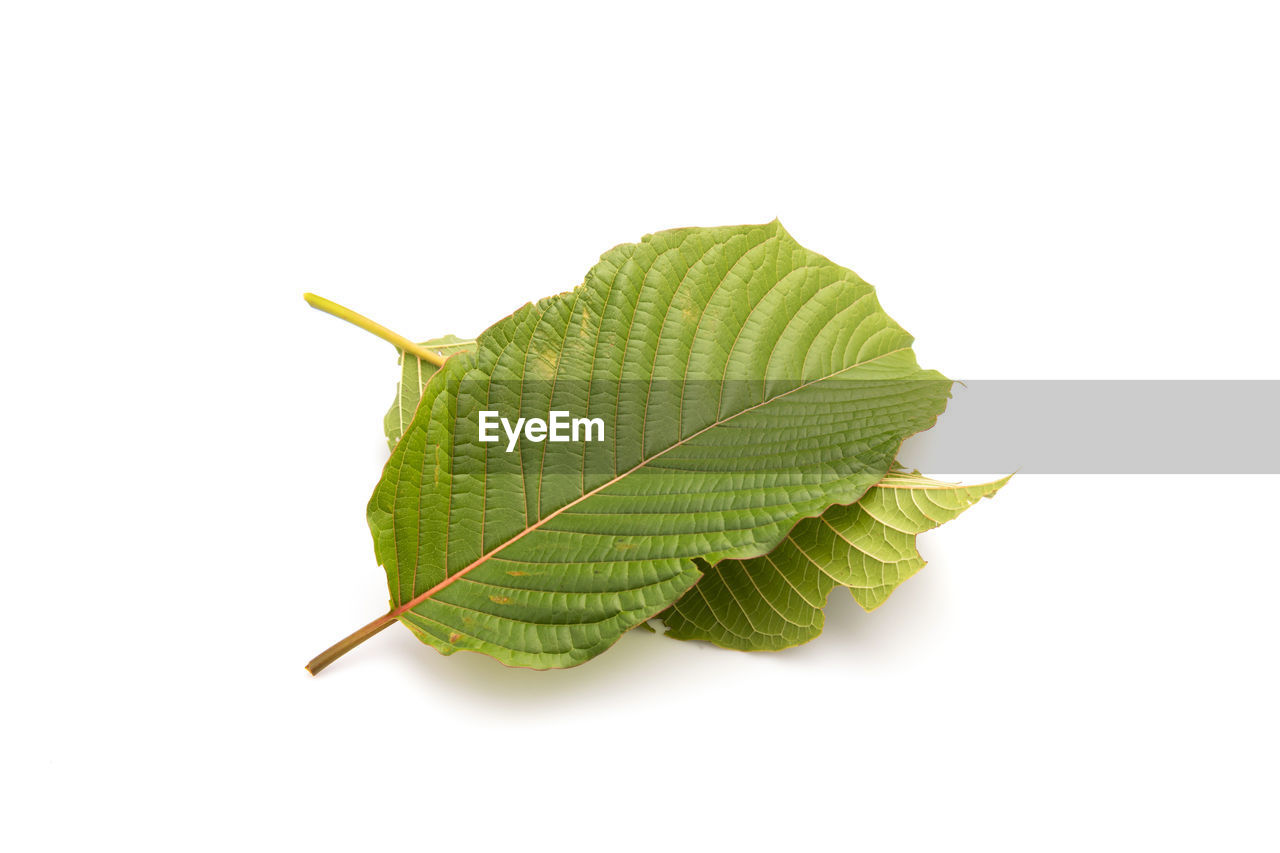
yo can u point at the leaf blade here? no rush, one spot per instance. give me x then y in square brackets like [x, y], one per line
[675, 484]
[852, 546]
[414, 375]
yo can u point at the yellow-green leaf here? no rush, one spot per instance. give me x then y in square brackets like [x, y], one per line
[775, 601]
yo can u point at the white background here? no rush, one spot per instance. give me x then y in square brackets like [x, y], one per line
[1085, 191]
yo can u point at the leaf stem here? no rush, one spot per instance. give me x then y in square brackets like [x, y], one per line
[400, 342]
[346, 644]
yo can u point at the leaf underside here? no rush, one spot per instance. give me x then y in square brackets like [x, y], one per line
[775, 601]
[414, 373]
[745, 383]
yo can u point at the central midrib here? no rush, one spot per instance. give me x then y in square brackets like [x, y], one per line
[418, 599]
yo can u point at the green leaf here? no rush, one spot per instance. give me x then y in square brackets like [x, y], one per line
[414, 373]
[775, 601]
[745, 383]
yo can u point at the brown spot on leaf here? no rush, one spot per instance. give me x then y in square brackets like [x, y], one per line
[500, 599]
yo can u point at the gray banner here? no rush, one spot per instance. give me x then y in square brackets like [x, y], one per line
[1104, 427]
[989, 426]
